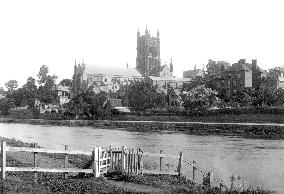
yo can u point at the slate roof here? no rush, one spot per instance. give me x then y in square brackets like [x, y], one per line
[113, 71]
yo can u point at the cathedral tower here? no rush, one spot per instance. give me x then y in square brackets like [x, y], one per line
[148, 60]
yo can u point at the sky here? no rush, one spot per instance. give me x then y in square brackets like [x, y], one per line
[56, 32]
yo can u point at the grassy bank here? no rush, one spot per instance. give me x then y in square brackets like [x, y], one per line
[112, 183]
[251, 131]
[222, 118]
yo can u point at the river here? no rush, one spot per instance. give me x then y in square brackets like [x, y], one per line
[260, 162]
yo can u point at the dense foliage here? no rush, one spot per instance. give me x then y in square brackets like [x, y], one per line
[143, 95]
[200, 98]
[89, 105]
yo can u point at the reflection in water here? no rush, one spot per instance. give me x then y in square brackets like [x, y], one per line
[259, 161]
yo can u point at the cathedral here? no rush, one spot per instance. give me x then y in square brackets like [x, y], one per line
[148, 61]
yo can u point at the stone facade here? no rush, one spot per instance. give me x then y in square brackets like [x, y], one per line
[97, 78]
[148, 60]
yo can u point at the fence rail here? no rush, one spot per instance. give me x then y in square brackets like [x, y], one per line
[128, 161]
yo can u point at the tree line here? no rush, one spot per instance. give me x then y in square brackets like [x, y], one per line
[42, 89]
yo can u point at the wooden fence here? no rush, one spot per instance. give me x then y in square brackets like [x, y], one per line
[102, 160]
[128, 161]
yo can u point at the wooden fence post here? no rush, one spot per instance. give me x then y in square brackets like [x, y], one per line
[126, 160]
[66, 162]
[99, 161]
[129, 162]
[193, 170]
[161, 160]
[210, 179]
[179, 163]
[3, 159]
[141, 161]
[133, 161]
[96, 168]
[123, 149]
[137, 161]
[35, 162]
[111, 158]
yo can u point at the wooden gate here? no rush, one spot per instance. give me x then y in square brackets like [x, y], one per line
[119, 160]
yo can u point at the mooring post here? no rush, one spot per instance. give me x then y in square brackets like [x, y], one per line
[179, 163]
[193, 169]
[161, 160]
[3, 159]
[66, 161]
[35, 162]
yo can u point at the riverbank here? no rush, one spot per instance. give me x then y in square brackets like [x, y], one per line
[113, 183]
[254, 130]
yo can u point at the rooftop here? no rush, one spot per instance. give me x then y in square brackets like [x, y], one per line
[113, 71]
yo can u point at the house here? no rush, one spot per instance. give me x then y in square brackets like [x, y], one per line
[64, 93]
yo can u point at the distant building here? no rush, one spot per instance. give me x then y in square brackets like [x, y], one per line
[64, 93]
[165, 71]
[280, 81]
[194, 73]
[97, 78]
[148, 61]
[241, 75]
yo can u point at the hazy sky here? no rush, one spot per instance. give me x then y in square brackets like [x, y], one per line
[56, 32]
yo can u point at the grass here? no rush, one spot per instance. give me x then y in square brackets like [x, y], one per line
[77, 183]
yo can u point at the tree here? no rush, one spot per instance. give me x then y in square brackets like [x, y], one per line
[42, 75]
[11, 85]
[30, 85]
[5, 105]
[242, 97]
[265, 96]
[86, 104]
[46, 92]
[200, 98]
[66, 82]
[143, 95]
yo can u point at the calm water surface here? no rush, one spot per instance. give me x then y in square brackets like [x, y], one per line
[260, 162]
